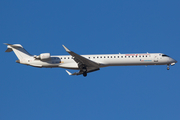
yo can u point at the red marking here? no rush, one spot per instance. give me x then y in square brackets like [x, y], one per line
[135, 54]
[130, 55]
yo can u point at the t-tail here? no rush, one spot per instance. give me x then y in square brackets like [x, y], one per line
[20, 52]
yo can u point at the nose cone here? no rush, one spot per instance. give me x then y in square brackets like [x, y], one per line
[172, 60]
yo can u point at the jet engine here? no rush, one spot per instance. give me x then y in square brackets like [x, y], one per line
[43, 56]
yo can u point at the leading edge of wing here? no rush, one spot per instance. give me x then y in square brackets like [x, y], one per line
[80, 59]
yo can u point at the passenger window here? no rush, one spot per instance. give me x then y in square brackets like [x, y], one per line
[121, 56]
[132, 56]
[104, 56]
[64, 57]
[139, 56]
[114, 56]
[111, 56]
[107, 56]
[129, 56]
[118, 56]
[125, 56]
[143, 56]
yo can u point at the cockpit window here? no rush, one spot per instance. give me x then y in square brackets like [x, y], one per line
[165, 55]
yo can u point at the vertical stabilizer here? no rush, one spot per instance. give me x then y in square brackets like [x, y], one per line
[20, 52]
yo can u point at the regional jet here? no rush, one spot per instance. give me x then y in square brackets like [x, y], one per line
[87, 63]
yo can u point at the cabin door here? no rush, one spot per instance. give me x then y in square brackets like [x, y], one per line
[155, 58]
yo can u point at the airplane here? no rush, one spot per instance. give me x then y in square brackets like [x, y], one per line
[88, 63]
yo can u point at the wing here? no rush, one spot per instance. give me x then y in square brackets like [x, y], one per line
[83, 63]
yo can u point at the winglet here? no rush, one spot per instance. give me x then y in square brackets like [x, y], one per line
[68, 72]
[67, 50]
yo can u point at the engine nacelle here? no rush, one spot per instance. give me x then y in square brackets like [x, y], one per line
[43, 56]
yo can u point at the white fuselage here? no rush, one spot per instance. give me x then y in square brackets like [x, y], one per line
[104, 60]
[87, 63]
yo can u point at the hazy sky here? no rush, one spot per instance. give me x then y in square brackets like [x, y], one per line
[90, 27]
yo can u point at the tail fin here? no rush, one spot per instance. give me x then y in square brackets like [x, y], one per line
[18, 50]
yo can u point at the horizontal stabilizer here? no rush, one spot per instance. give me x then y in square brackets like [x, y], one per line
[20, 52]
[7, 44]
[9, 50]
[14, 45]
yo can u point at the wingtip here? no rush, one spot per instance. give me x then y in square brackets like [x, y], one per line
[66, 48]
[68, 72]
